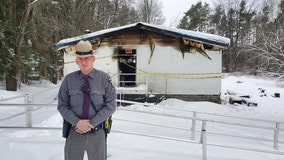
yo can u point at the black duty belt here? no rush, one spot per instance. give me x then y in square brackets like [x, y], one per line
[94, 130]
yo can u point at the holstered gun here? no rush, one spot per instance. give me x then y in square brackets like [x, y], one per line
[66, 128]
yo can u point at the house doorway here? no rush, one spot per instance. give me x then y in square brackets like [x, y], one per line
[127, 67]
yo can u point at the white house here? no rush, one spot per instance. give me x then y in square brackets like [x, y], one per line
[146, 59]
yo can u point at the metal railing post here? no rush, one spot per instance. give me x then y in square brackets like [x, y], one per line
[28, 110]
[193, 125]
[203, 140]
[146, 85]
[166, 86]
[116, 80]
[120, 97]
[276, 135]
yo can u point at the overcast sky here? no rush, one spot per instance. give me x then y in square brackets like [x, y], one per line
[174, 10]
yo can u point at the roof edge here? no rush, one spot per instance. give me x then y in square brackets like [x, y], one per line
[207, 38]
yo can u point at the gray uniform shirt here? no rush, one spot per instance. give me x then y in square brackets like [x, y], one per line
[102, 93]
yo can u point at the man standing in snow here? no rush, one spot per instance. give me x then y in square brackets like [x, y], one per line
[86, 98]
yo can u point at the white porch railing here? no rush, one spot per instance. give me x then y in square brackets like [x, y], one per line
[273, 126]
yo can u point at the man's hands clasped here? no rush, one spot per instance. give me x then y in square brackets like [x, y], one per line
[83, 126]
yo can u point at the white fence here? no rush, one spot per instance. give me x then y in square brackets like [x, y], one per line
[195, 118]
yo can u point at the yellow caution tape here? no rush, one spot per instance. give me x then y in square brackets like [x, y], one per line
[179, 75]
[215, 75]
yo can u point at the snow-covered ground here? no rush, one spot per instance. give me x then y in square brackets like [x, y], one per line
[33, 144]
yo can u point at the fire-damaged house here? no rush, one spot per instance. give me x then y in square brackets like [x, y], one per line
[145, 60]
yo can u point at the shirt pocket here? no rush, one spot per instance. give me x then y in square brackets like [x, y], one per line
[76, 98]
[98, 98]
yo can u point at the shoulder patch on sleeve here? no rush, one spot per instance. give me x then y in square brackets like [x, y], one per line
[110, 81]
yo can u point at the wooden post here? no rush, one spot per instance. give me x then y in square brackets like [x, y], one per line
[203, 140]
[28, 109]
[276, 135]
[193, 125]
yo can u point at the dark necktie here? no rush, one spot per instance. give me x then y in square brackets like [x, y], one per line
[86, 102]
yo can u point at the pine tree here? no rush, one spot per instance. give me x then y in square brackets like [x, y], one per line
[195, 18]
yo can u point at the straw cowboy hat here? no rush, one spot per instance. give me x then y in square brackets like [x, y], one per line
[83, 49]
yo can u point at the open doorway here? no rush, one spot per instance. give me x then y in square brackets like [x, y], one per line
[127, 67]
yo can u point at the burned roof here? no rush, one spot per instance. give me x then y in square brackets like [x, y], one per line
[185, 35]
